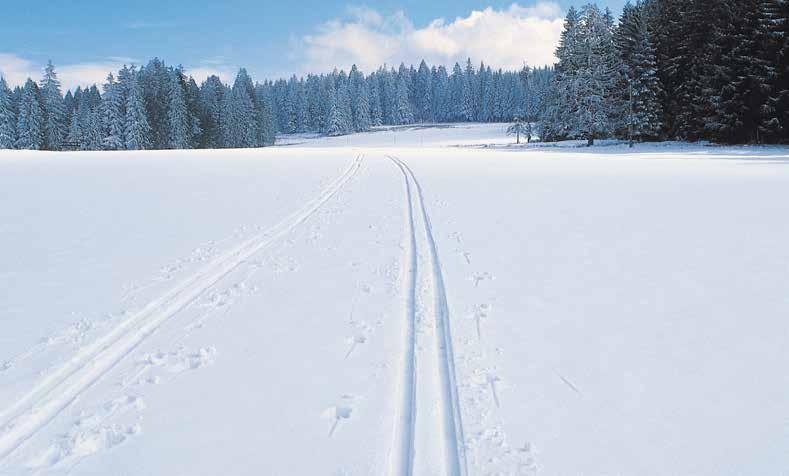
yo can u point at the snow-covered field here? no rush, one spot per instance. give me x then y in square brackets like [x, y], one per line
[389, 303]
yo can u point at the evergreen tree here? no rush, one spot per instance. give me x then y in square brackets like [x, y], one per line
[360, 100]
[113, 117]
[424, 93]
[211, 94]
[30, 119]
[744, 113]
[53, 108]
[137, 131]
[7, 119]
[75, 129]
[376, 112]
[440, 95]
[778, 113]
[402, 113]
[178, 120]
[639, 88]
[335, 122]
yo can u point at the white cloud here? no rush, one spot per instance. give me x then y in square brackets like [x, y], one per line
[87, 74]
[503, 38]
[16, 70]
[214, 66]
[201, 73]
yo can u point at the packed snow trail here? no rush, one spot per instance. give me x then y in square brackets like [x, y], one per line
[24, 418]
[428, 436]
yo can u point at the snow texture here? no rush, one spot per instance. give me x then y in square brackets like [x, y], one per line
[412, 300]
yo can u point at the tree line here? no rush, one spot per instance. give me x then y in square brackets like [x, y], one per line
[691, 70]
[160, 107]
[714, 70]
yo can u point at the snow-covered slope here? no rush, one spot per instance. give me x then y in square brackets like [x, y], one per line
[358, 306]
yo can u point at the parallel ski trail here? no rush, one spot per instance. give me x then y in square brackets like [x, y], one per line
[403, 446]
[407, 457]
[55, 392]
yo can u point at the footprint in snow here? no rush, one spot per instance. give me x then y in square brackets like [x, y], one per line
[339, 412]
[479, 277]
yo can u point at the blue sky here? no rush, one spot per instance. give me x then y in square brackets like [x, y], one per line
[269, 38]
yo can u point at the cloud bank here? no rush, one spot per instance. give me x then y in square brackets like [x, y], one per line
[505, 38]
[16, 70]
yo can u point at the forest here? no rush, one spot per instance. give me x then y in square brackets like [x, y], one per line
[712, 70]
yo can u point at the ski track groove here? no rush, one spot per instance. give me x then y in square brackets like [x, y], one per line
[403, 457]
[55, 392]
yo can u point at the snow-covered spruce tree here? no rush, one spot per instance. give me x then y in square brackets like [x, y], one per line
[388, 90]
[778, 21]
[376, 112]
[302, 117]
[424, 94]
[30, 119]
[698, 66]
[137, 131]
[360, 100]
[586, 76]
[238, 115]
[335, 122]
[93, 132]
[179, 121]
[468, 105]
[288, 100]
[640, 115]
[112, 114]
[560, 102]
[211, 94]
[74, 134]
[744, 113]
[344, 102]
[402, 106]
[53, 108]
[440, 95]
[313, 103]
[458, 89]
[265, 113]
[7, 118]
[519, 128]
[487, 92]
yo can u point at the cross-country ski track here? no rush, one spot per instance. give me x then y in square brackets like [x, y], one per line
[60, 388]
[428, 437]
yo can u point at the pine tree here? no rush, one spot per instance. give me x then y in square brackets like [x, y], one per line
[743, 112]
[93, 133]
[30, 119]
[75, 129]
[424, 93]
[402, 107]
[53, 108]
[778, 113]
[376, 112]
[458, 88]
[335, 122]
[113, 116]
[360, 100]
[7, 119]
[265, 105]
[137, 131]
[440, 95]
[586, 77]
[639, 90]
[180, 125]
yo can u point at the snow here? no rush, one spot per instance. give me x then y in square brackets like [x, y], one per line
[444, 304]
